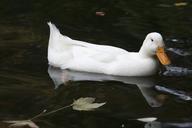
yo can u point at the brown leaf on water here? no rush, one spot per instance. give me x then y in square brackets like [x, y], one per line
[86, 104]
[99, 13]
[21, 124]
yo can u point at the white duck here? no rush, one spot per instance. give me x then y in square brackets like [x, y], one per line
[66, 53]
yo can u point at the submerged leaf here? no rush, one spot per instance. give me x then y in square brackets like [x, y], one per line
[86, 104]
[181, 4]
[21, 124]
[147, 119]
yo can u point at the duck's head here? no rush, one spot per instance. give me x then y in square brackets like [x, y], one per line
[154, 45]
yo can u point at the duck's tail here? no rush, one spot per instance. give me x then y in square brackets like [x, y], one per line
[54, 33]
[56, 37]
[59, 48]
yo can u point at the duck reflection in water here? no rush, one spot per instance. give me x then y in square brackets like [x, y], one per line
[145, 84]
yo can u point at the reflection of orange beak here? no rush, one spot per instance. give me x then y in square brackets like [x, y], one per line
[162, 56]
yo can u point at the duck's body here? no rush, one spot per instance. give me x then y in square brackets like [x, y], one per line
[67, 53]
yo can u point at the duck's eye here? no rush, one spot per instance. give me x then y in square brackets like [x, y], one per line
[152, 40]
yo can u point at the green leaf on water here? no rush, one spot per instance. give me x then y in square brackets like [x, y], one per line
[86, 104]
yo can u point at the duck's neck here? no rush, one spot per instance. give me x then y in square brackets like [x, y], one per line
[144, 51]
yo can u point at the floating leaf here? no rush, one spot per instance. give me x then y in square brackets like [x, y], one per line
[181, 4]
[21, 124]
[81, 104]
[86, 104]
[147, 119]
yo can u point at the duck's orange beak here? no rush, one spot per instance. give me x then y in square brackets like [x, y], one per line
[162, 56]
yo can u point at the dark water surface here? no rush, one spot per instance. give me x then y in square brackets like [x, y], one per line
[27, 86]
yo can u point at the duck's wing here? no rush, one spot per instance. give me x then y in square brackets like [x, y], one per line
[81, 49]
[103, 53]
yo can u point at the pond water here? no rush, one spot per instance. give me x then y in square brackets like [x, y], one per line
[28, 85]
